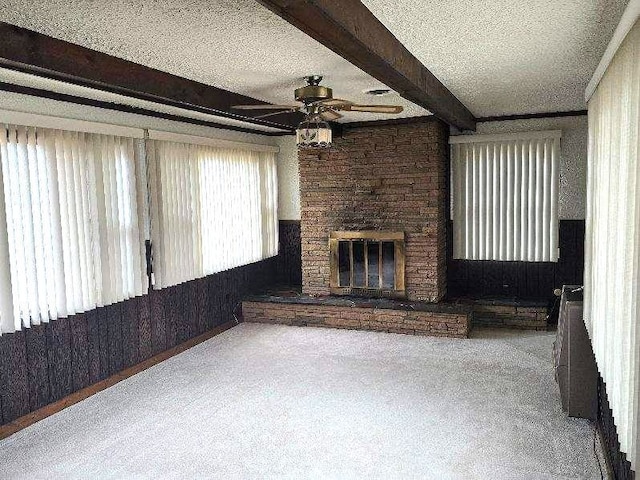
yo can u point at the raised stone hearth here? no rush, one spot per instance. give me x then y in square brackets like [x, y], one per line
[511, 313]
[382, 315]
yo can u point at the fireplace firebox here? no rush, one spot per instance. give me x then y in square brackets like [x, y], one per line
[367, 263]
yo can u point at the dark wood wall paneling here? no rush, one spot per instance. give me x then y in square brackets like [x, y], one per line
[290, 257]
[523, 280]
[616, 460]
[45, 363]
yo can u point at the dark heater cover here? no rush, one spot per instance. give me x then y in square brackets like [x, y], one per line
[575, 366]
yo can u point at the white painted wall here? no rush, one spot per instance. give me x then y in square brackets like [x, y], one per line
[288, 179]
[573, 164]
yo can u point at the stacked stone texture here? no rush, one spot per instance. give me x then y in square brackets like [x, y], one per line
[440, 324]
[379, 178]
[525, 318]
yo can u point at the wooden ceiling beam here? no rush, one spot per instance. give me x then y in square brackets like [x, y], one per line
[31, 52]
[353, 32]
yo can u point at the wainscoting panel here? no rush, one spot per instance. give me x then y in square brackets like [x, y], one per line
[528, 280]
[158, 321]
[59, 354]
[79, 352]
[145, 348]
[37, 367]
[94, 352]
[14, 382]
[130, 333]
[290, 266]
[47, 362]
[113, 319]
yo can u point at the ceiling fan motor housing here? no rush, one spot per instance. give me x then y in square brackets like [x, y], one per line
[313, 93]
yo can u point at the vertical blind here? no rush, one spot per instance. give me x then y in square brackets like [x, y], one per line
[612, 243]
[69, 233]
[505, 196]
[76, 208]
[212, 209]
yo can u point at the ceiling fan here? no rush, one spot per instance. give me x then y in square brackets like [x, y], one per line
[317, 100]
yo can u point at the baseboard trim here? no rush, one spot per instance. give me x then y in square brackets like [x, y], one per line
[55, 407]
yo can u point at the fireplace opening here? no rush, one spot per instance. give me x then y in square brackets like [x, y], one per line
[369, 263]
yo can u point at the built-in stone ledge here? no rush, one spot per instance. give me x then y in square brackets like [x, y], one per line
[380, 314]
[507, 312]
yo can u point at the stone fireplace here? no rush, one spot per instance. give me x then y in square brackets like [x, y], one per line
[384, 178]
[373, 224]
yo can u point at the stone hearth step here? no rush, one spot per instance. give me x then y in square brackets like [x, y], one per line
[507, 312]
[377, 314]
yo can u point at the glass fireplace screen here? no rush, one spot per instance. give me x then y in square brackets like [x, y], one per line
[367, 263]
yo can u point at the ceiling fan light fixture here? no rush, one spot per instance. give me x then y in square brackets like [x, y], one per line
[313, 132]
[318, 103]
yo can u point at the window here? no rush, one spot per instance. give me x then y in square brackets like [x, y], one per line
[213, 208]
[76, 208]
[72, 239]
[505, 196]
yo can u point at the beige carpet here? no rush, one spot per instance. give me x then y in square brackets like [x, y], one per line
[263, 401]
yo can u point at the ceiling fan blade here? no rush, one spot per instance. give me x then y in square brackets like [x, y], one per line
[331, 102]
[266, 107]
[272, 113]
[371, 108]
[330, 115]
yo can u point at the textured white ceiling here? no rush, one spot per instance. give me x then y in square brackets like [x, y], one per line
[506, 56]
[235, 44]
[497, 56]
